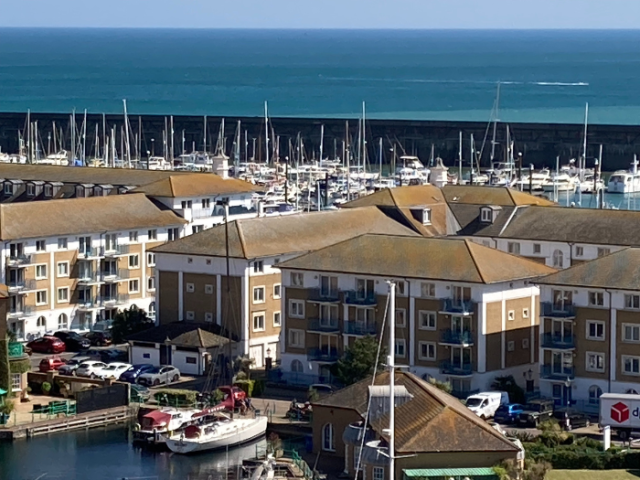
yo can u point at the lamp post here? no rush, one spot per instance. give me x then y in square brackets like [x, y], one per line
[153, 147]
[567, 385]
[268, 360]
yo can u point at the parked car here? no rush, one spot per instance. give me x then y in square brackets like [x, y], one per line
[139, 393]
[158, 375]
[114, 370]
[90, 369]
[73, 340]
[47, 344]
[113, 355]
[51, 363]
[536, 412]
[319, 390]
[103, 326]
[133, 372]
[99, 339]
[485, 404]
[570, 419]
[72, 364]
[507, 414]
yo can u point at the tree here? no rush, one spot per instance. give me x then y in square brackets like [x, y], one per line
[441, 385]
[508, 384]
[358, 360]
[128, 322]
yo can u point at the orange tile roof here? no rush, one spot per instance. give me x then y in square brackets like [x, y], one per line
[195, 185]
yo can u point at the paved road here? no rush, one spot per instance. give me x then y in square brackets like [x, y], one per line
[36, 358]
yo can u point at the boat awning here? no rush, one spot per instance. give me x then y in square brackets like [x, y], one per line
[3, 392]
[482, 473]
[157, 417]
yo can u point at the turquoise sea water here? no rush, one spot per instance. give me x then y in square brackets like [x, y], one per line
[548, 75]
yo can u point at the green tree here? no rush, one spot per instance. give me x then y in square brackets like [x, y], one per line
[508, 384]
[441, 385]
[358, 360]
[128, 322]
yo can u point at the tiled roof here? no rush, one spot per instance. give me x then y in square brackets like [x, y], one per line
[288, 234]
[617, 271]
[196, 184]
[418, 257]
[432, 421]
[480, 195]
[183, 334]
[82, 215]
[410, 196]
[468, 218]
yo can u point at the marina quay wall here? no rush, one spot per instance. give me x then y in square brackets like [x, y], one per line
[540, 143]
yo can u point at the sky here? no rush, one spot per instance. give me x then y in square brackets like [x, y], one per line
[305, 14]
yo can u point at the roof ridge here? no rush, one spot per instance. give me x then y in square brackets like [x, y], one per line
[173, 191]
[200, 337]
[515, 204]
[473, 258]
[243, 244]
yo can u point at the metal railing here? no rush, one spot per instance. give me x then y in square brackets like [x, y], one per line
[115, 275]
[17, 260]
[555, 310]
[19, 311]
[554, 340]
[88, 253]
[21, 285]
[448, 367]
[461, 307]
[323, 325]
[456, 337]
[90, 304]
[353, 297]
[323, 295]
[115, 250]
[323, 355]
[119, 299]
[360, 328]
[85, 277]
[557, 373]
[295, 378]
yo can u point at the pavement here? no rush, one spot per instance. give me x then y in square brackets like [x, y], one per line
[22, 412]
[36, 358]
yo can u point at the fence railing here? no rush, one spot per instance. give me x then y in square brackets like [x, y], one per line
[462, 307]
[353, 297]
[557, 310]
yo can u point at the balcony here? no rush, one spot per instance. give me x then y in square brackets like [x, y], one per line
[360, 298]
[20, 286]
[553, 340]
[110, 301]
[324, 295]
[458, 307]
[323, 325]
[112, 276]
[115, 251]
[88, 278]
[19, 311]
[456, 337]
[322, 355]
[456, 369]
[558, 311]
[19, 260]
[551, 372]
[360, 328]
[88, 305]
[88, 253]
[16, 350]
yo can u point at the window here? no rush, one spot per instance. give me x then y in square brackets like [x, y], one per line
[191, 360]
[562, 300]
[173, 234]
[190, 287]
[206, 203]
[208, 317]
[631, 365]
[630, 332]
[258, 322]
[134, 286]
[16, 381]
[364, 288]
[8, 188]
[151, 283]
[133, 237]
[485, 215]
[557, 259]
[41, 297]
[511, 346]
[426, 350]
[328, 444]
[596, 299]
[427, 290]
[146, 355]
[511, 315]
[401, 289]
[258, 266]
[594, 394]
[602, 251]
[297, 279]
[63, 269]
[63, 322]
[296, 308]
[401, 317]
[525, 313]
[579, 251]
[41, 271]
[63, 295]
[426, 216]
[189, 260]
[31, 189]
[62, 243]
[152, 234]
[191, 315]
[258, 294]
[152, 309]
[595, 362]
[632, 301]
[296, 338]
[134, 261]
[41, 322]
[276, 290]
[40, 246]
[296, 366]
[186, 204]
[513, 247]
[427, 320]
[277, 319]
[537, 248]
[595, 330]
[378, 473]
[525, 343]
[401, 347]
[151, 259]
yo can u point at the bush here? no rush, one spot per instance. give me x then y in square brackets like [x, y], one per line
[258, 388]
[7, 407]
[246, 385]
[46, 388]
[174, 397]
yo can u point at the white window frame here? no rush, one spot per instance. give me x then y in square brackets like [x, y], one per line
[191, 315]
[513, 248]
[597, 296]
[293, 332]
[44, 293]
[486, 215]
[65, 295]
[63, 243]
[254, 317]
[630, 302]
[151, 259]
[588, 335]
[557, 258]
[427, 344]
[525, 313]
[401, 312]
[41, 243]
[624, 359]
[279, 294]
[299, 309]
[258, 266]
[377, 473]
[134, 261]
[41, 322]
[151, 283]
[63, 325]
[258, 289]
[401, 343]
[511, 315]
[426, 216]
[603, 251]
[136, 282]
[297, 279]
[331, 445]
[279, 316]
[66, 273]
[46, 273]
[579, 251]
[431, 290]
[537, 249]
[152, 234]
[429, 312]
[16, 382]
[588, 368]
[634, 326]
[133, 236]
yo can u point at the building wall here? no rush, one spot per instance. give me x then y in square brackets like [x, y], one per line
[138, 355]
[340, 418]
[183, 361]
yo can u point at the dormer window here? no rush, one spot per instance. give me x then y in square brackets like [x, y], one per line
[426, 216]
[488, 214]
[48, 191]
[8, 188]
[31, 190]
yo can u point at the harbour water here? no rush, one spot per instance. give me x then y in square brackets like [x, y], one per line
[547, 76]
[107, 454]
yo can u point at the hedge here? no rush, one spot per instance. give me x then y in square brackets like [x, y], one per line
[577, 457]
[174, 397]
[246, 385]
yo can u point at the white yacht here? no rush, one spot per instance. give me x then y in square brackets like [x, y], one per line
[561, 182]
[625, 181]
[218, 430]
[156, 425]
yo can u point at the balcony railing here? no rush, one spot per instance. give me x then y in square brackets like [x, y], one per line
[19, 311]
[551, 372]
[550, 309]
[115, 250]
[460, 307]
[323, 325]
[360, 328]
[448, 367]
[323, 295]
[202, 212]
[353, 297]
[456, 337]
[85, 305]
[88, 253]
[115, 275]
[553, 340]
[16, 350]
[21, 285]
[114, 300]
[322, 355]
[18, 260]
[85, 278]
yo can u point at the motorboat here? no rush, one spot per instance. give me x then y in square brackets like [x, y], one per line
[561, 182]
[156, 425]
[217, 430]
[591, 185]
[625, 181]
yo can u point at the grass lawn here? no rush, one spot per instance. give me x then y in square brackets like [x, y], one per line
[593, 475]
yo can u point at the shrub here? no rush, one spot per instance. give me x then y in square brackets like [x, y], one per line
[46, 388]
[7, 407]
[258, 388]
[246, 385]
[174, 397]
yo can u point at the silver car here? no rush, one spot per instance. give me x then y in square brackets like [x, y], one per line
[160, 375]
[72, 365]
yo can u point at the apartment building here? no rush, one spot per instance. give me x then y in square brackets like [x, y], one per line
[75, 261]
[230, 274]
[590, 330]
[464, 312]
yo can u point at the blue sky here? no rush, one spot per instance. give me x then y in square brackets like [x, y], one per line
[322, 13]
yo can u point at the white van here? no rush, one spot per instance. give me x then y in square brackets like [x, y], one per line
[485, 404]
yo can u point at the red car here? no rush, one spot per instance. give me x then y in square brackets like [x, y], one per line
[47, 345]
[51, 363]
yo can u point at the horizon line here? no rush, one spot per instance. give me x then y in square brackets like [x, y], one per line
[317, 29]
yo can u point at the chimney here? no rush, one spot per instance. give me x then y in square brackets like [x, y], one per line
[220, 164]
[379, 396]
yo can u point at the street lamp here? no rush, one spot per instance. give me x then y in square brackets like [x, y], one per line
[567, 384]
[153, 147]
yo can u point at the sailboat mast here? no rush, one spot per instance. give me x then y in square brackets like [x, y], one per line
[84, 138]
[495, 125]
[126, 130]
[584, 145]
[106, 140]
[460, 158]
[321, 140]
[204, 134]
[380, 149]
[364, 139]
[347, 159]
[236, 159]
[266, 132]
[392, 379]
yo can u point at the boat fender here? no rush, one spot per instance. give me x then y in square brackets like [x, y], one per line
[136, 427]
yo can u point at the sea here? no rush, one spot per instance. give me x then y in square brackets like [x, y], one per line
[545, 76]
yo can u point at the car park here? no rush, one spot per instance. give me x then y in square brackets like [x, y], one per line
[90, 369]
[535, 412]
[50, 363]
[160, 375]
[72, 364]
[485, 404]
[570, 419]
[47, 344]
[73, 340]
[134, 371]
[114, 370]
[99, 339]
[508, 414]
